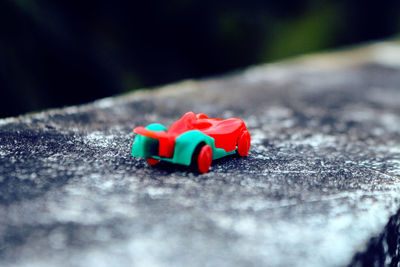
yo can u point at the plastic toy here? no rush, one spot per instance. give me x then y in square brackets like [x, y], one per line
[195, 139]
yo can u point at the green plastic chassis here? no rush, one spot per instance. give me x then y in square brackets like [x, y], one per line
[185, 145]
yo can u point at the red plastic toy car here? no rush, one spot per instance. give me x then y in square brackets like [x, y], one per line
[194, 139]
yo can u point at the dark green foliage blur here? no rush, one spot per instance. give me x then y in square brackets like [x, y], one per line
[63, 52]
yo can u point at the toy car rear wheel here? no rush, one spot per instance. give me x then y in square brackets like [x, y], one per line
[152, 162]
[204, 159]
[243, 145]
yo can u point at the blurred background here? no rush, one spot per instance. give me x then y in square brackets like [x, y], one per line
[64, 52]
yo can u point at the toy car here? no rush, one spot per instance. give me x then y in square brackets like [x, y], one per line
[195, 139]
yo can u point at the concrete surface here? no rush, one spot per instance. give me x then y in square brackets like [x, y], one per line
[319, 188]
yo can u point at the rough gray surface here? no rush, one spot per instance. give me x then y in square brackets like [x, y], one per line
[321, 180]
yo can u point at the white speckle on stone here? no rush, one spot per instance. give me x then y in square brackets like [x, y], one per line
[387, 54]
[227, 114]
[315, 140]
[99, 139]
[7, 121]
[268, 73]
[57, 239]
[390, 122]
[105, 103]
[158, 192]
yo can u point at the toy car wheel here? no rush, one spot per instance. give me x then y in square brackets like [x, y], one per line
[204, 159]
[243, 145]
[152, 162]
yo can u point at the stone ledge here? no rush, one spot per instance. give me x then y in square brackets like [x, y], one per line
[321, 180]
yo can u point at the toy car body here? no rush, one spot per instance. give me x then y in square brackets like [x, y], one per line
[193, 139]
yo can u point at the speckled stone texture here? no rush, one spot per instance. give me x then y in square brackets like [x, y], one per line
[320, 186]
